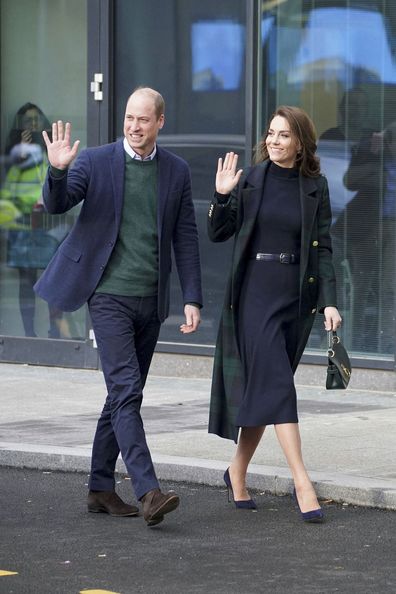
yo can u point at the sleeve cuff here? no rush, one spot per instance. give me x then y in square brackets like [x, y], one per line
[57, 173]
[222, 198]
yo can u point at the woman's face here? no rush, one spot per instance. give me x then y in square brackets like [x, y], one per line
[31, 120]
[282, 146]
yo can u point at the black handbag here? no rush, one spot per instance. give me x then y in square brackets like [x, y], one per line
[339, 366]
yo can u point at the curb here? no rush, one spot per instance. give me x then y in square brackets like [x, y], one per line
[354, 490]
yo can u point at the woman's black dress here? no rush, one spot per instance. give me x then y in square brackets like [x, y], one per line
[268, 311]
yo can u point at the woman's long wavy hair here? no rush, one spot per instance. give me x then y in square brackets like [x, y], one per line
[303, 130]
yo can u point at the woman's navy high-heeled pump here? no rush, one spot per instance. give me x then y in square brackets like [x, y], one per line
[315, 516]
[247, 504]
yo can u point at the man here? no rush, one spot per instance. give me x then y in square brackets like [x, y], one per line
[137, 203]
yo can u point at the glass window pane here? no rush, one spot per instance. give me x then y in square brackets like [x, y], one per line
[42, 78]
[204, 90]
[336, 59]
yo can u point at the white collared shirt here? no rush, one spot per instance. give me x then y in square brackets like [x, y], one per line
[128, 149]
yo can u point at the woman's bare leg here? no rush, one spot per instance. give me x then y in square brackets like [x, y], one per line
[289, 438]
[249, 439]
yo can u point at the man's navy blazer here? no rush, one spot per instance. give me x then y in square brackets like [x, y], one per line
[97, 179]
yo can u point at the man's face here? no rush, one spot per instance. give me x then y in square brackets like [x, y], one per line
[141, 125]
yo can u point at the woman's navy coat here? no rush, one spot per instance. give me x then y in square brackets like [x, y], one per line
[317, 280]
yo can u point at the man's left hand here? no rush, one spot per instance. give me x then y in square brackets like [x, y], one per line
[193, 318]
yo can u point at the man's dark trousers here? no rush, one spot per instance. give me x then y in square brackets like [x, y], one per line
[126, 331]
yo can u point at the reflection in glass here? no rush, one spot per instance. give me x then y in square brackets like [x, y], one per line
[217, 51]
[32, 238]
[327, 51]
[30, 100]
[337, 62]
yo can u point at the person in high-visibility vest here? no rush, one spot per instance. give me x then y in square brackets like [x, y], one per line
[21, 211]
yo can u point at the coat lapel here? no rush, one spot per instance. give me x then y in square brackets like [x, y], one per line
[309, 206]
[249, 206]
[164, 175]
[117, 167]
[251, 196]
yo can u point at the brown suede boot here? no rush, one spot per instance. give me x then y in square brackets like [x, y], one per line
[109, 502]
[156, 504]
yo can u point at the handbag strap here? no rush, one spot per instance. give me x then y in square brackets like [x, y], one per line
[332, 338]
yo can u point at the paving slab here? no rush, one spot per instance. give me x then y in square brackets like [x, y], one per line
[48, 419]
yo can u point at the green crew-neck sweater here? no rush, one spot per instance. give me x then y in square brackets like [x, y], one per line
[133, 266]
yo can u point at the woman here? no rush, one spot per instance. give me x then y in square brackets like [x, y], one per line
[281, 274]
[22, 188]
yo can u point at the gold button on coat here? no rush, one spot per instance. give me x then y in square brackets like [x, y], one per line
[313, 310]
[311, 279]
[315, 243]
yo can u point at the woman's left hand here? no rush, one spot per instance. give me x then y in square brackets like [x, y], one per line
[332, 318]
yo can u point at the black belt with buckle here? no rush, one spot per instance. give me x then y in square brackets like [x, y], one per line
[282, 258]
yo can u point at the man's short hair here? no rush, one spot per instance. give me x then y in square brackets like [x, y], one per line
[158, 99]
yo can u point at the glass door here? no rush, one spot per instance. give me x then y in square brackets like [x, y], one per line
[195, 54]
[43, 78]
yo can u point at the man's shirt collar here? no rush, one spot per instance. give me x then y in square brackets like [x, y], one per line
[128, 149]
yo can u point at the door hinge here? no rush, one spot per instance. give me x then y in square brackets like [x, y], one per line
[96, 86]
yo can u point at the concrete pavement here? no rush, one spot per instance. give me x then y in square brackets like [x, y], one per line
[48, 419]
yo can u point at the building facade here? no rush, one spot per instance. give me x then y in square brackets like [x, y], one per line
[222, 68]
